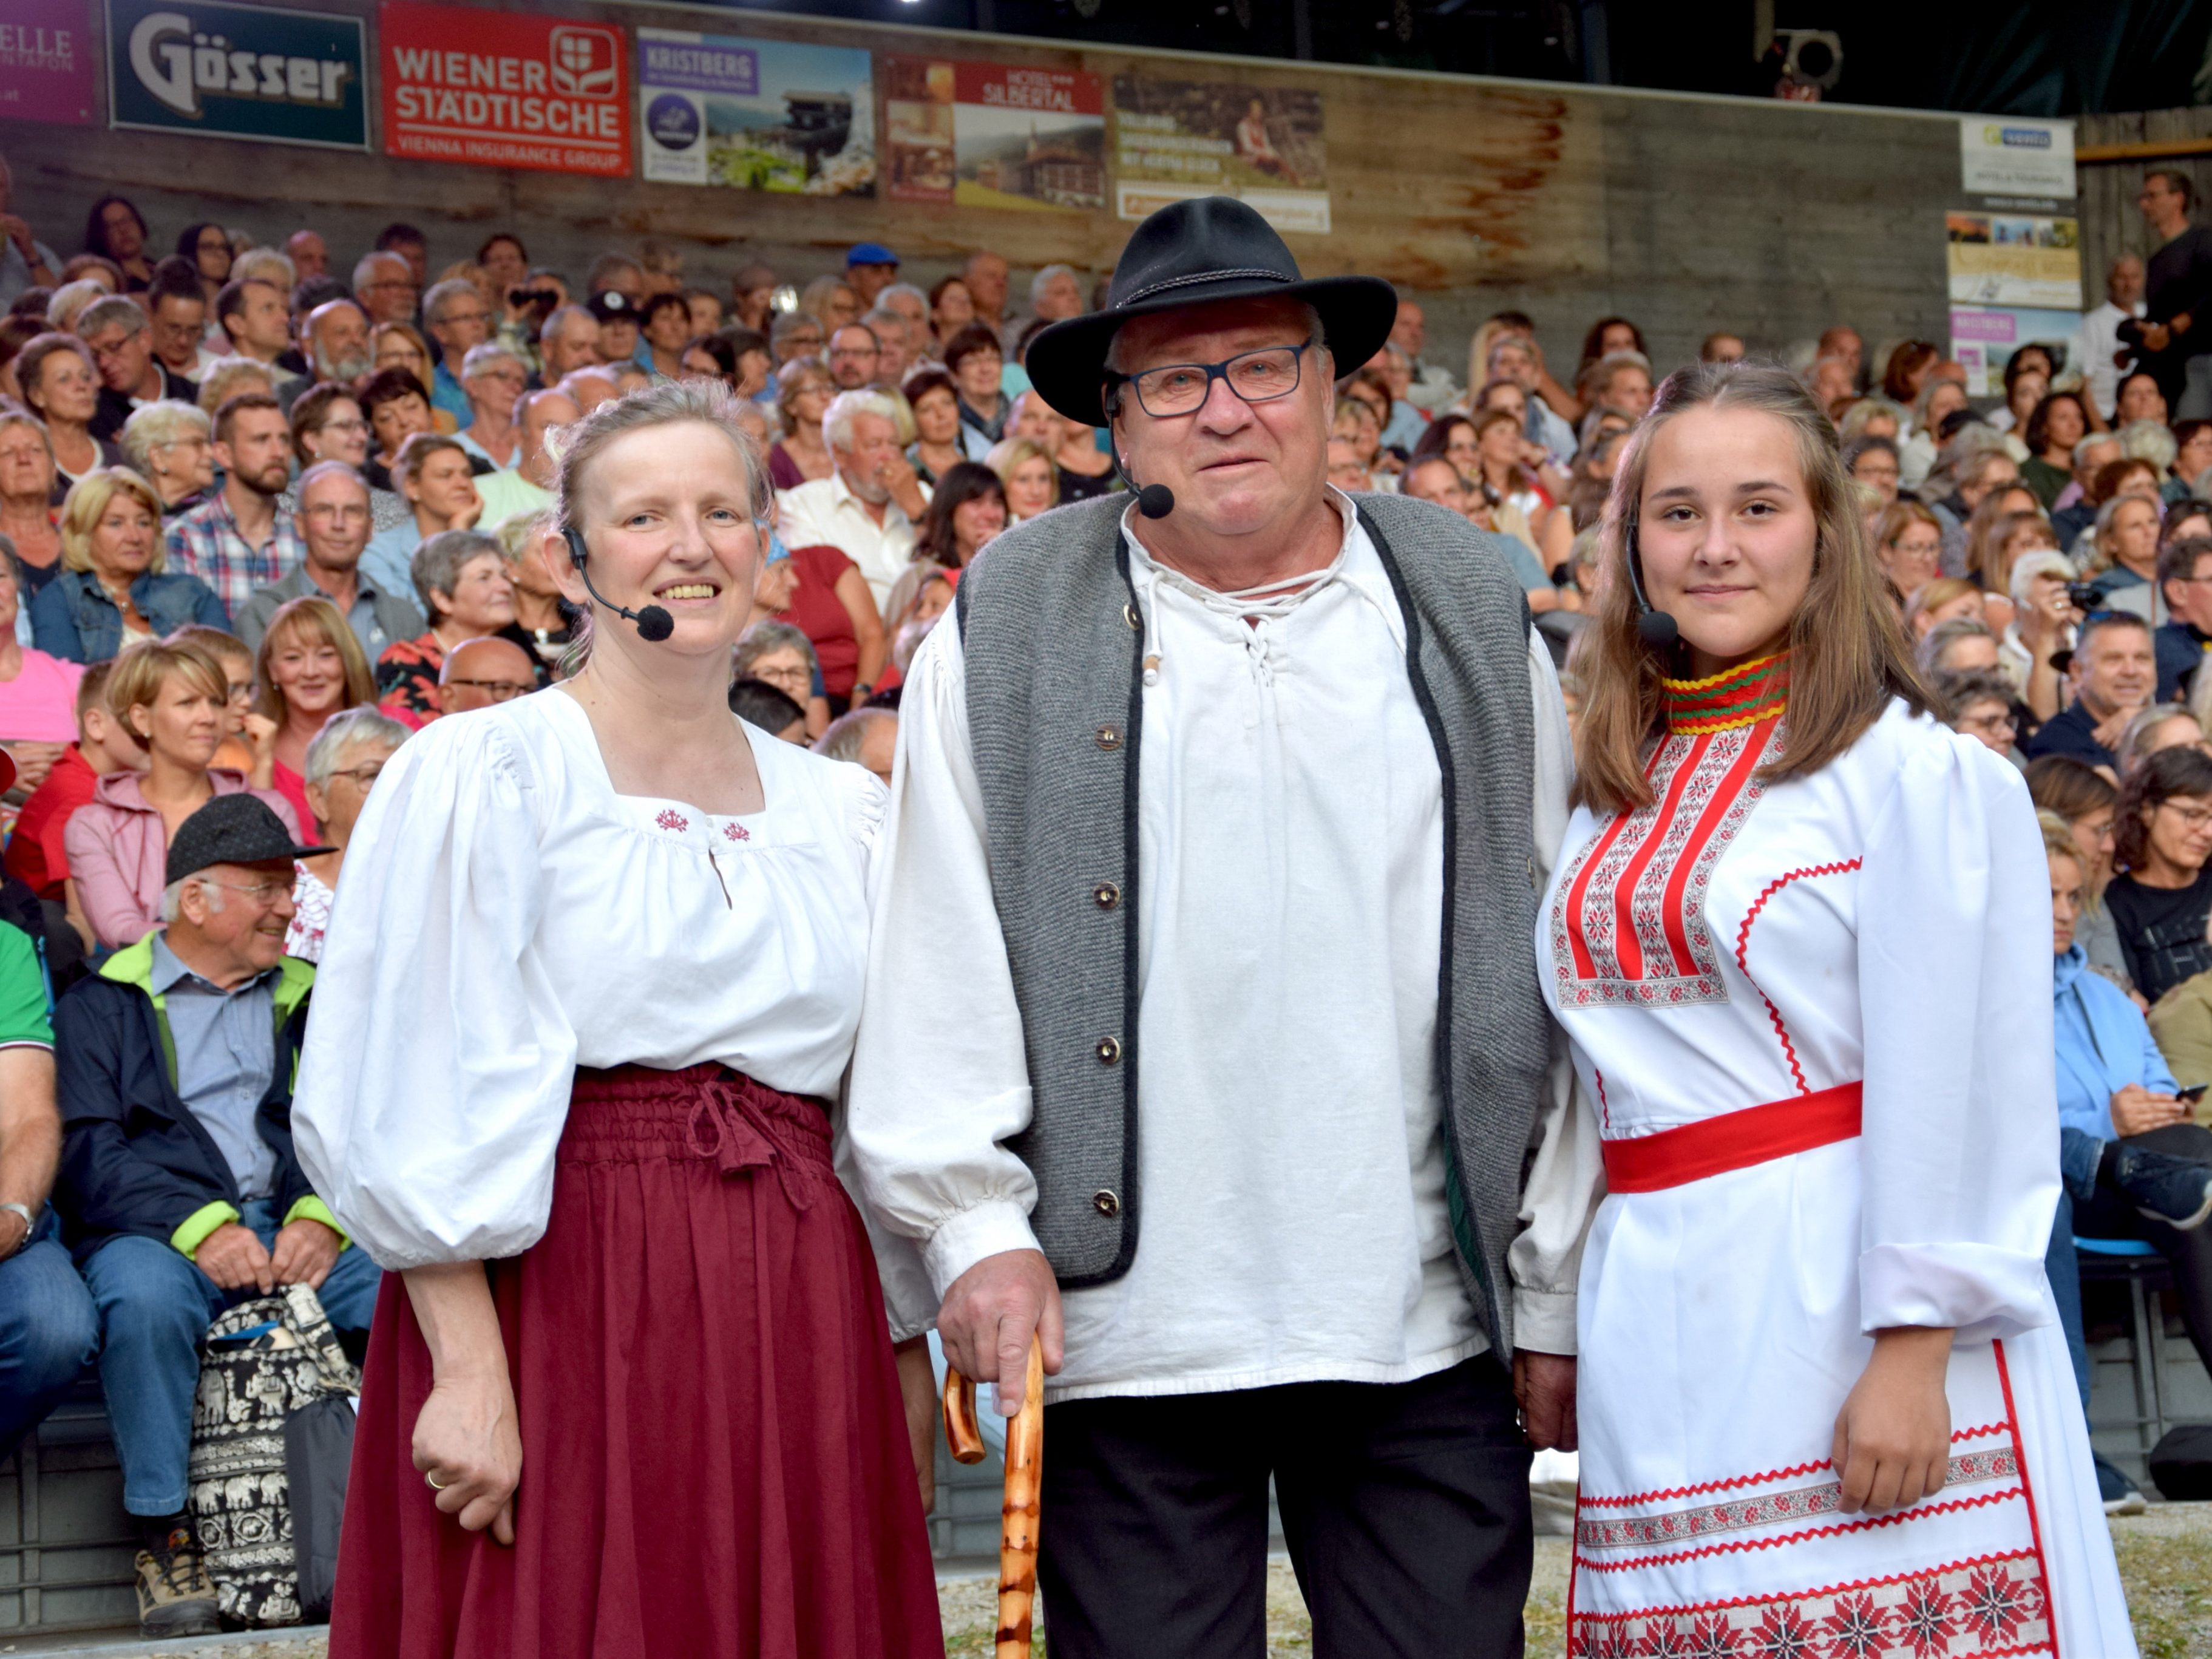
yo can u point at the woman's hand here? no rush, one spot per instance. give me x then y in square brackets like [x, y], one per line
[1892, 1444]
[468, 1448]
[2136, 1110]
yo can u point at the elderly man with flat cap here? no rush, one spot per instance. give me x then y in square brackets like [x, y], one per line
[1226, 806]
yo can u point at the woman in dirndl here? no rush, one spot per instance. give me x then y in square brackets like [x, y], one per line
[593, 972]
[1798, 938]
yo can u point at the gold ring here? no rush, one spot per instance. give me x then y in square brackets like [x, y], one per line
[433, 1480]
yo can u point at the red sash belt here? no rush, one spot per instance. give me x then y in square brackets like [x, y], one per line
[1735, 1140]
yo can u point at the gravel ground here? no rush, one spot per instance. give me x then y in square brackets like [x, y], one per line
[2165, 1557]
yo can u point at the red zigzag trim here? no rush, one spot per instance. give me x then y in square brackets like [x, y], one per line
[1959, 1438]
[1746, 1547]
[1743, 939]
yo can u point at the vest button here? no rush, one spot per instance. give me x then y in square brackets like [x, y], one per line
[1109, 738]
[1106, 1202]
[1109, 1050]
[1106, 896]
[1129, 615]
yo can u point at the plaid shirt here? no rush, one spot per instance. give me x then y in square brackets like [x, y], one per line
[207, 543]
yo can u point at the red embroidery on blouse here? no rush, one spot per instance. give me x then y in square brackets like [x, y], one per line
[1737, 1482]
[1956, 1505]
[1791, 1504]
[1743, 941]
[670, 818]
[1629, 923]
[736, 832]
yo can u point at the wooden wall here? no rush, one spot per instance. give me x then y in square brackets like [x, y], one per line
[1687, 214]
[2111, 224]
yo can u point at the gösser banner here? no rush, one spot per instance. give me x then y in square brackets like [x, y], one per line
[505, 89]
[258, 72]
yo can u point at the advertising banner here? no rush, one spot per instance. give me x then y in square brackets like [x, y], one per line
[1174, 139]
[2011, 259]
[1983, 339]
[993, 135]
[263, 73]
[776, 115]
[2011, 155]
[45, 62]
[504, 89]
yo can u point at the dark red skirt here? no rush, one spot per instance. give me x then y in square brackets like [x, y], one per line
[715, 1462]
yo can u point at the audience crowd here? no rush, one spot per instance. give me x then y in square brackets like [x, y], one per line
[263, 515]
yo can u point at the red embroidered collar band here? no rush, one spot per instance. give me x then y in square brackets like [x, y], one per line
[1744, 696]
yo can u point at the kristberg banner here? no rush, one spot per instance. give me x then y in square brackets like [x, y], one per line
[263, 73]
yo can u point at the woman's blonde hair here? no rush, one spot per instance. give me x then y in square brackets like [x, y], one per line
[316, 620]
[1934, 595]
[2058, 843]
[143, 668]
[1007, 455]
[1848, 655]
[87, 502]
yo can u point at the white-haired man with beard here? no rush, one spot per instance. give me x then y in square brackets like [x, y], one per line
[869, 506]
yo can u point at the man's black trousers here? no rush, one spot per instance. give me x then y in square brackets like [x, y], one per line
[1404, 1507]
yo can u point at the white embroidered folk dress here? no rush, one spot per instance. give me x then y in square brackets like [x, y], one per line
[1865, 945]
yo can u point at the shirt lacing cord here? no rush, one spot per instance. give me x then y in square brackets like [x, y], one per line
[727, 1126]
[1255, 606]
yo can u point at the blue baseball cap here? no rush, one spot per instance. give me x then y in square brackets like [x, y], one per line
[870, 253]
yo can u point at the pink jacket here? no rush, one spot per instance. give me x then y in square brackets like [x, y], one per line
[119, 852]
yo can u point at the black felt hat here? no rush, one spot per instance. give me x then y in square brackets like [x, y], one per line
[239, 828]
[1191, 253]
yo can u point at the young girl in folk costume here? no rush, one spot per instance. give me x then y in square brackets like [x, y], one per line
[1797, 937]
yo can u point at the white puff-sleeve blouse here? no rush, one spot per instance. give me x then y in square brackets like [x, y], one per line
[504, 917]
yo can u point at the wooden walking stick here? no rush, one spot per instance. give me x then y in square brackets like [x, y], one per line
[1018, 1522]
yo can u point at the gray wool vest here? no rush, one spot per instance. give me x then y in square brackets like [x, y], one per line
[1054, 645]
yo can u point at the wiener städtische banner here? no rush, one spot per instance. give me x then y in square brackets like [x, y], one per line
[45, 62]
[265, 73]
[504, 89]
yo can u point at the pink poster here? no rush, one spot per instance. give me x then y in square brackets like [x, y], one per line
[45, 62]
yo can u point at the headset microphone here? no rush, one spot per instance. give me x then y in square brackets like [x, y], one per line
[653, 623]
[1153, 500]
[1652, 627]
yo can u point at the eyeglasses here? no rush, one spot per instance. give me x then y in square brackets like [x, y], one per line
[363, 776]
[344, 426]
[262, 892]
[1257, 377]
[497, 691]
[2192, 817]
[326, 512]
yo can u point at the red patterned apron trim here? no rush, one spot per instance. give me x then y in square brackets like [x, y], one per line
[1798, 1504]
[1986, 1608]
[1737, 1482]
[2012, 1417]
[1733, 1140]
[1745, 1546]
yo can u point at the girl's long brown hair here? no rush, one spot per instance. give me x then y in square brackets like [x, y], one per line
[1848, 651]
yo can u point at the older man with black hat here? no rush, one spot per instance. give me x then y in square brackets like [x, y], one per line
[179, 1193]
[1226, 807]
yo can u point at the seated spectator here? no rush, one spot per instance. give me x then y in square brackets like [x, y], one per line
[2076, 509]
[433, 472]
[1026, 470]
[1346, 470]
[1989, 531]
[38, 691]
[460, 575]
[115, 588]
[343, 765]
[171, 699]
[121, 339]
[49, 1331]
[976, 363]
[1083, 470]
[253, 315]
[760, 704]
[310, 667]
[35, 854]
[1977, 703]
[458, 318]
[2076, 525]
[935, 401]
[247, 739]
[2124, 564]
[2161, 725]
[803, 391]
[335, 343]
[951, 309]
[233, 377]
[171, 445]
[617, 315]
[396, 345]
[492, 377]
[1951, 646]
[2041, 628]
[2083, 800]
[567, 340]
[179, 1189]
[2059, 422]
[28, 515]
[2192, 457]
[823, 593]
[395, 405]
[2191, 517]
[1938, 400]
[776, 654]
[855, 357]
[866, 737]
[1620, 381]
[2185, 580]
[869, 506]
[2161, 900]
[115, 231]
[544, 621]
[2113, 674]
[60, 384]
[1355, 423]
[243, 536]
[1872, 461]
[334, 519]
[481, 672]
